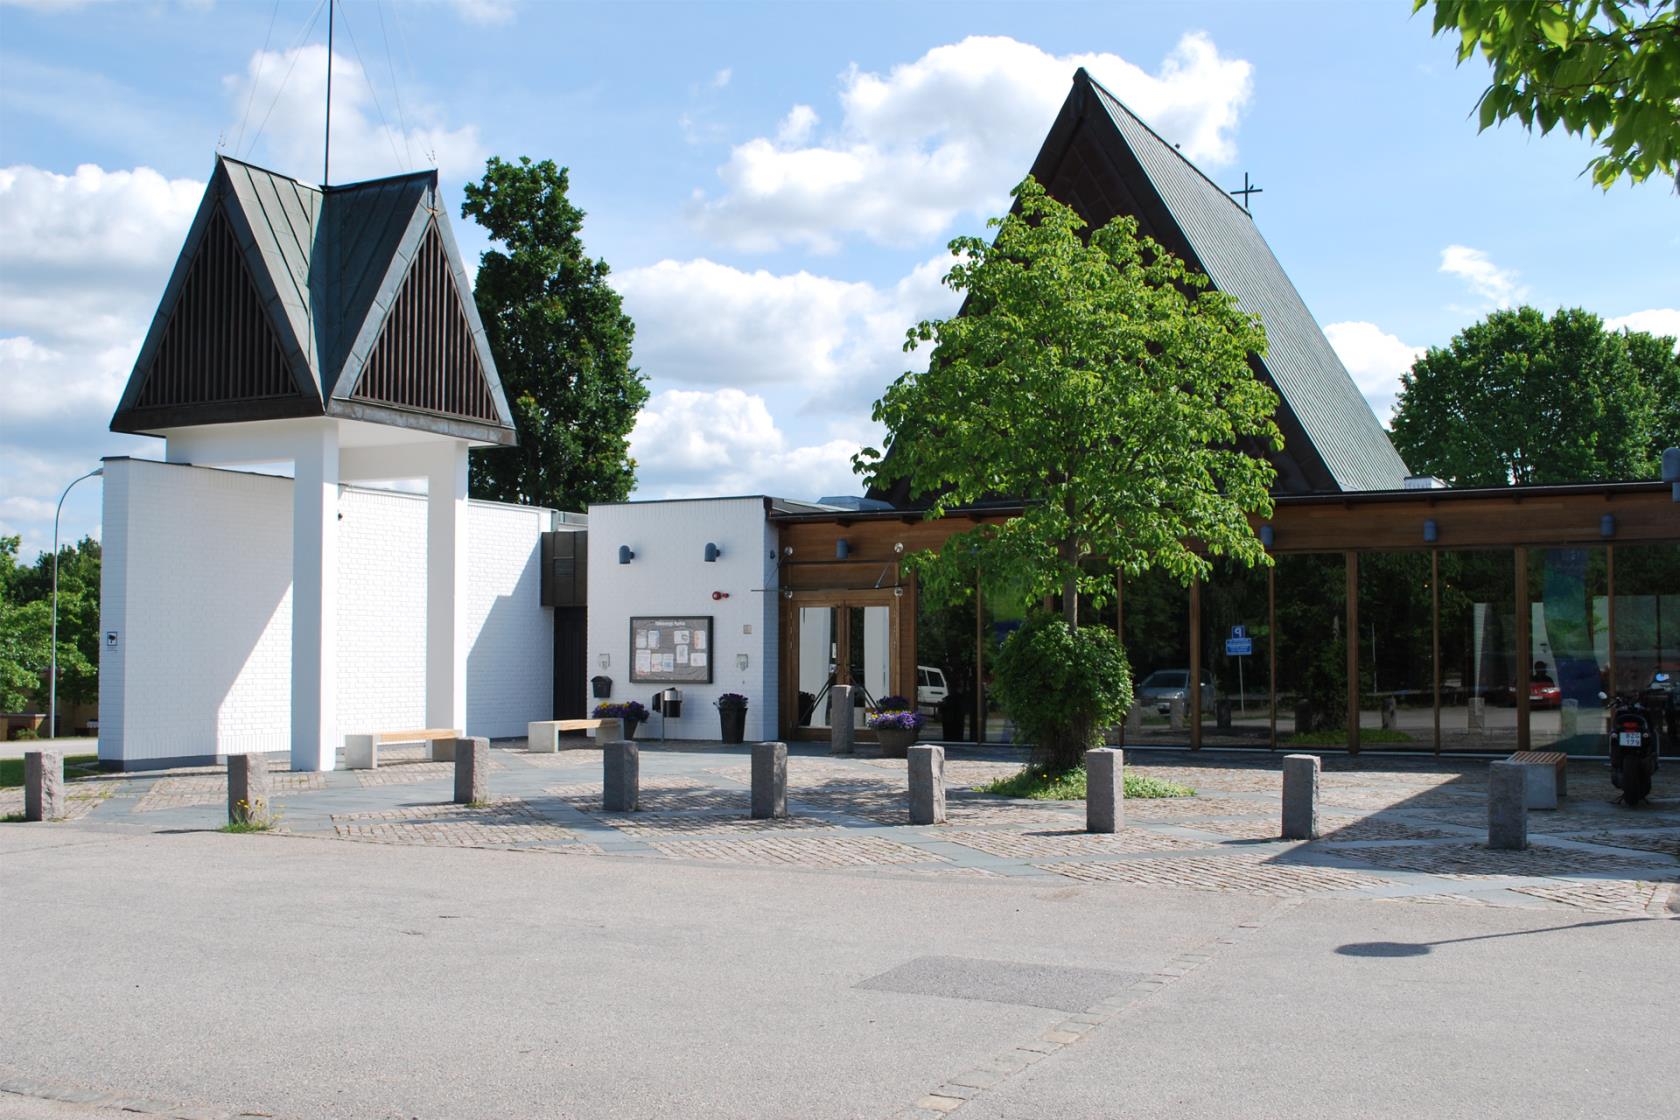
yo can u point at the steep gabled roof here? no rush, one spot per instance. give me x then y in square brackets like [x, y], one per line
[284, 293]
[1102, 160]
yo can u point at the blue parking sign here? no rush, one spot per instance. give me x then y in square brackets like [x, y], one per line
[1238, 633]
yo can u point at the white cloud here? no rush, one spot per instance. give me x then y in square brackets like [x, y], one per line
[486, 13]
[949, 134]
[1496, 285]
[1376, 359]
[283, 128]
[797, 126]
[1657, 320]
[693, 443]
[703, 323]
[721, 78]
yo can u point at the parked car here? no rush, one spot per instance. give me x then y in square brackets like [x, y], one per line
[930, 687]
[1163, 686]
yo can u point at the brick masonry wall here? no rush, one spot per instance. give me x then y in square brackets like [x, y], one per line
[669, 576]
[197, 586]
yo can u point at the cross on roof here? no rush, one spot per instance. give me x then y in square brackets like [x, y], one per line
[1247, 189]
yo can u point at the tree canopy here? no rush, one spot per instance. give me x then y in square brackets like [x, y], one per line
[1607, 69]
[1100, 382]
[26, 625]
[561, 342]
[1519, 398]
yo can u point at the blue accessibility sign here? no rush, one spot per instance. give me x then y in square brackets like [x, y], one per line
[1239, 647]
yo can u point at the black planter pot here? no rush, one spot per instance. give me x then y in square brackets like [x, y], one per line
[734, 719]
[630, 726]
[952, 711]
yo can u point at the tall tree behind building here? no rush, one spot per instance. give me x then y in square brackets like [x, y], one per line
[561, 342]
[1520, 399]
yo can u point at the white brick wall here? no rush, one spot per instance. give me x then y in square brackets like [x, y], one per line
[669, 576]
[197, 579]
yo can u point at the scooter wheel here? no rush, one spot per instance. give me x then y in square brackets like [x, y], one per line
[1636, 783]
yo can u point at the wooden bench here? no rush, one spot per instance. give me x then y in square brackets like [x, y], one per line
[1546, 777]
[361, 752]
[543, 736]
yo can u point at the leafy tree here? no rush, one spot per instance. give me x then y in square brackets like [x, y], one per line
[1062, 687]
[561, 342]
[26, 625]
[1103, 384]
[1518, 398]
[1608, 69]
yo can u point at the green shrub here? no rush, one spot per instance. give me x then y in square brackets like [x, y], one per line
[1070, 785]
[1062, 688]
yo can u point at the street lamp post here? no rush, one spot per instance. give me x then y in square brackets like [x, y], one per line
[52, 682]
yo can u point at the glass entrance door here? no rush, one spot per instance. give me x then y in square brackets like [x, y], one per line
[842, 638]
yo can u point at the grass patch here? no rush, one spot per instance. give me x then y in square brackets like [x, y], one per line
[1041, 785]
[11, 769]
[1339, 738]
[247, 826]
[12, 818]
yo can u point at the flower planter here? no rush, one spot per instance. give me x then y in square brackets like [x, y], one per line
[734, 721]
[896, 741]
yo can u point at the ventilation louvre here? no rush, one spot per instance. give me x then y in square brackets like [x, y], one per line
[218, 345]
[425, 357]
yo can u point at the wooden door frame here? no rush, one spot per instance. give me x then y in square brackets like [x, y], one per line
[901, 646]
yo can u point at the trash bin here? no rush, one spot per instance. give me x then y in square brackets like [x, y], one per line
[670, 703]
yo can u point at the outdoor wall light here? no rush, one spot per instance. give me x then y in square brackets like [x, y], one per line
[787, 550]
[740, 661]
[899, 548]
[1607, 526]
[787, 594]
[624, 554]
[712, 553]
[842, 548]
[1267, 536]
[1431, 531]
[898, 593]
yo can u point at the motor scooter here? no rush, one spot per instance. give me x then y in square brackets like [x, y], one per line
[1635, 741]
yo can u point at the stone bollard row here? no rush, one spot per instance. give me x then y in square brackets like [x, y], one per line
[1507, 806]
[472, 770]
[927, 784]
[1300, 796]
[1175, 715]
[840, 730]
[43, 785]
[769, 781]
[620, 777]
[250, 790]
[1105, 790]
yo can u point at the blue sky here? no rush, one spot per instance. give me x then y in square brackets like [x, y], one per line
[773, 185]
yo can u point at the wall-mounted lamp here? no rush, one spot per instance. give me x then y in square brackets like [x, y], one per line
[787, 550]
[740, 661]
[898, 593]
[712, 553]
[787, 594]
[624, 554]
[1431, 531]
[606, 661]
[842, 548]
[1267, 536]
[1607, 526]
[1671, 469]
[899, 547]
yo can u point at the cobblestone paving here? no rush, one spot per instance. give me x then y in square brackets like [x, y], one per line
[800, 851]
[1184, 808]
[1460, 861]
[1616, 896]
[1027, 845]
[211, 789]
[658, 794]
[987, 811]
[1218, 873]
[704, 824]
[499, 824]
[1663, 840]
[80, 799]
[1331, 828]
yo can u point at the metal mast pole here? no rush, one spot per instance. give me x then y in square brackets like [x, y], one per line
[52, 673]
[326, 148]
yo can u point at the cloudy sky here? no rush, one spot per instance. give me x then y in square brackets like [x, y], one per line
[773, 186]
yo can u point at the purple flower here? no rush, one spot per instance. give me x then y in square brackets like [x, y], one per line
[631, 711]
[898, 720]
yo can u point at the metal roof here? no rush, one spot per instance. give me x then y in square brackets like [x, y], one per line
[327, 265]
[1102, 152]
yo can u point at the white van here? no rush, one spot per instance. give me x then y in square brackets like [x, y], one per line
[930, 688]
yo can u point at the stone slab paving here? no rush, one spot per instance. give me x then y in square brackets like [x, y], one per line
[1401, 829]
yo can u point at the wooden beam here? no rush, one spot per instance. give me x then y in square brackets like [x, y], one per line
[1435, 636]
[979, 663]
[1610, 598]
[1525, 644]
[1271, 655]
[1352, 652]
[1195, 664]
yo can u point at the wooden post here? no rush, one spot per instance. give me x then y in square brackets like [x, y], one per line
[1524, 645]
[1271, 652]
[1353, 652]
[979, 664]
[1120, 636]
[1435, 635]
[1610, 598]
[1195, 664]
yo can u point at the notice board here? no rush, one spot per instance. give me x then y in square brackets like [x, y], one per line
[671, 649]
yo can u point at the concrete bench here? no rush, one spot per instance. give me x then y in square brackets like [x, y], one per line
[361, 752]
[1545, 776]
[543, 736]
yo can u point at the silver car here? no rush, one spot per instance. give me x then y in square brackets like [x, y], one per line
[1160, 688]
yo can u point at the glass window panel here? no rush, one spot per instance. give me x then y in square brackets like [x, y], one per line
[1648, 626]
[817, 657]
[1396, 652]
[1238, 711]
[1568, 655]
[1311, 654]
[1478, 651]
[1157, 640]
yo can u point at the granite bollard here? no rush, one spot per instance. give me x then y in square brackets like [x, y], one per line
[1134, 718]
[1105, 790]
[472, 771]
[1390, 714]
[250, 789]
[840, 730]
[43, 785]
[621, 777]
[1222, 714]
[361, 752]
[443, 750]
[1175, 715]
[927, 784]
[1507, 806]
[1300, 796]
[769, 781]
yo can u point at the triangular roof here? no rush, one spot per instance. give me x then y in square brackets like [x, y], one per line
[1102, 160]
[281, 278]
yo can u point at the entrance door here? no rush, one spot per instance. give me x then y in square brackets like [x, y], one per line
[839, 638]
